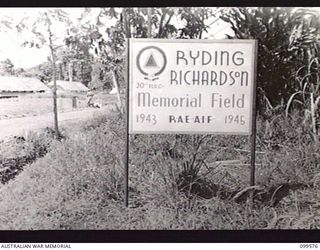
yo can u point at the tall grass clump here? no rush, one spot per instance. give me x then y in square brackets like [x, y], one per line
[67, 186]
[290, 154]
[176, 181]
[18, 152]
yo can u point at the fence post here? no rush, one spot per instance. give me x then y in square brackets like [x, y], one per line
[74, 102]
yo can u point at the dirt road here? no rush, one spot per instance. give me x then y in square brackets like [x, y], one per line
[20, 126]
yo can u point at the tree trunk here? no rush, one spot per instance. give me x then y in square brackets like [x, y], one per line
[60, 71]
[149, 22]
[161, 26]
[55, 108]
[70, 71]
[116, 85]
[54, 70]
[126, 23]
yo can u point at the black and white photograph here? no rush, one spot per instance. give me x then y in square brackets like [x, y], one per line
[159, 118]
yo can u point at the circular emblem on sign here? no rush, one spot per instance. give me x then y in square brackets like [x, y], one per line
[151, 62]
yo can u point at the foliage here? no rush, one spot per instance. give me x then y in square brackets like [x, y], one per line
[289, 41]
[41, 29]
[99, 79]
[6, 23]
[36, 27]
[25, 145]
[109, 41]
[75, 178]
[77, 53]
[43, 72]
[272, 27]
[304, 42]
[178, 181]
[290, 156]
[7, 68]
[195, 21]
[21, 151]
[79, 183]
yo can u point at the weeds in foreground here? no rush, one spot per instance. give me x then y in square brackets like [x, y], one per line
[176, 182]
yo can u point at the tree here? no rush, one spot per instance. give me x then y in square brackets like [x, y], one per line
[99, 79]
[288, 56]
[195, 21]
[19, 72]
[41, 27]
[276, 63]
[109, 41]
[7, 68]
[305, 43]
[74, 65]
[6, 23]
[43, 72]
[77, 54]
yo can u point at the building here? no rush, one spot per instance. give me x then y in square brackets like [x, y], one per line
[70, 86]
[15, 86]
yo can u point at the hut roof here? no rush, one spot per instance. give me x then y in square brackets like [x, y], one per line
[70, 86]
[21, 84]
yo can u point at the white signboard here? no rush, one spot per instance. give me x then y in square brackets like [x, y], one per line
[191, 86]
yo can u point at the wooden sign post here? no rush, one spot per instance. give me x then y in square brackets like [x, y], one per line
[191, 87]
[254, 119]
[127, 138]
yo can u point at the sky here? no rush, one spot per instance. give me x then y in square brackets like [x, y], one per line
[11, 41]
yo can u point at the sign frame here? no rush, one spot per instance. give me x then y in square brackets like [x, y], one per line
[253, 42]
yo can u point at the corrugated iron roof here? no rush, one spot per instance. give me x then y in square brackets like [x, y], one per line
[21, 84]
[70, 86]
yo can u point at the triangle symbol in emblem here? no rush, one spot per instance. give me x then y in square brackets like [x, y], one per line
[151, 62]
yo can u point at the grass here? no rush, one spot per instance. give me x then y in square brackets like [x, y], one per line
[176, 181]
[25, 106]
[21, 151]
[37, 104]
